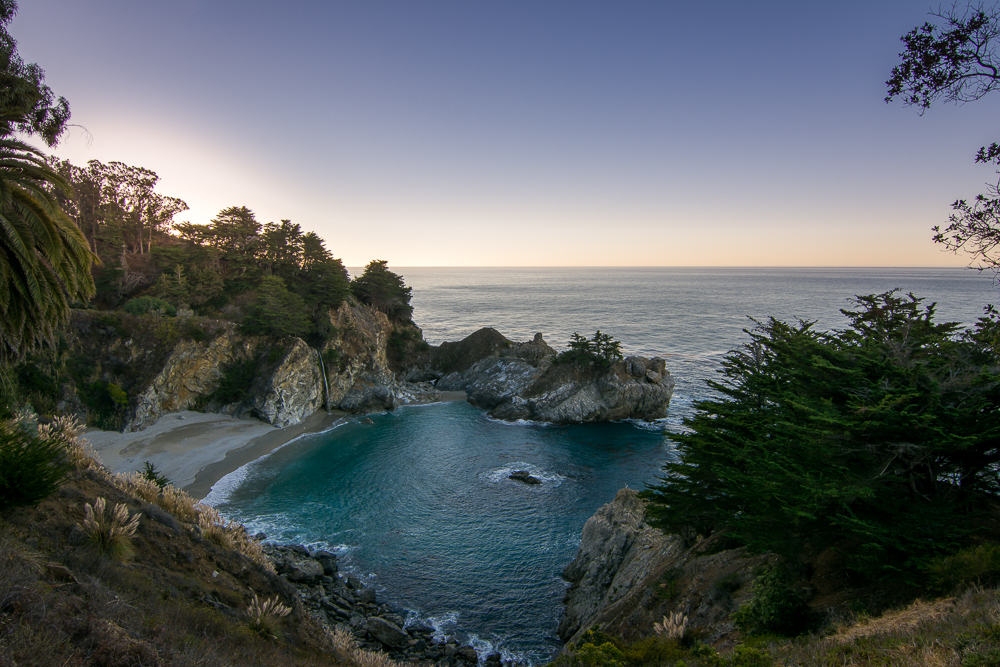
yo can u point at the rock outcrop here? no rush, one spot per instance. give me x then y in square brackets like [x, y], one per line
[525, 381]
[628, 575]
[340, 600]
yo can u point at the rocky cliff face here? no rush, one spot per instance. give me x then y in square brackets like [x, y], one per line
[155, 366]
[628, 575]
[523, 381]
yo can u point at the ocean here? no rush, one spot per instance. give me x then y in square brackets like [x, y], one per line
[418, 502]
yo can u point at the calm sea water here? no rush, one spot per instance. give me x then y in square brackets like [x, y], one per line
[419, 501]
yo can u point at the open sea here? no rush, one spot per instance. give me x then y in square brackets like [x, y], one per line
[418, 502]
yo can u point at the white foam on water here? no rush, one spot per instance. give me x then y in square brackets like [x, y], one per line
[503, 473]
[221, 490]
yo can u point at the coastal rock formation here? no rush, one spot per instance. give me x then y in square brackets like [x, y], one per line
[192, 370]
[342, 600]
[628, 575]
[524, 381]
[292, 391]
[360, 374]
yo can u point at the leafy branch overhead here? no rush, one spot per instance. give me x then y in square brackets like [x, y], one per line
[957, 63]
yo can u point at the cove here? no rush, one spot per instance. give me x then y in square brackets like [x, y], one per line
[420, 503]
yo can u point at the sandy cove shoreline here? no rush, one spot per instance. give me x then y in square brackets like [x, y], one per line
[194, 450]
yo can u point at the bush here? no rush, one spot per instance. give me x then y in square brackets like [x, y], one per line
[978, 565]
[235, 381]
[263, 615]
[149, 304]
[31, 466]
[112, 535]
[775, 607]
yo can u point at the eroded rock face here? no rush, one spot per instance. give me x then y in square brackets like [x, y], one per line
[628, 575]
[521, 381]
[293, 391]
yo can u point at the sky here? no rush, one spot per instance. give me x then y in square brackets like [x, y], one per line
[526, 133]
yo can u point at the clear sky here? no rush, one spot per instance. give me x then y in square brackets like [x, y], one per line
[526, 133]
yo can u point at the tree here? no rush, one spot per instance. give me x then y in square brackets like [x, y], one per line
[958, 63]
[44, 258]
[276, 311]
[28, 105]
[381, 288]
[881, 439]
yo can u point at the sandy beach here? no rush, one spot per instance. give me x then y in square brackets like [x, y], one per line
[194, 450]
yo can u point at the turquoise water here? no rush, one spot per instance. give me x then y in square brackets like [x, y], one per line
[418, 501]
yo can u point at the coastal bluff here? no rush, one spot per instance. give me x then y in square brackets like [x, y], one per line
[628, 575]
[123, 372]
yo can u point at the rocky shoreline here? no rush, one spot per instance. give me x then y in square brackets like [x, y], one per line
[336, 598]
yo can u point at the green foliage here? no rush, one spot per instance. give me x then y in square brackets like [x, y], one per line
[880, 436]
[235, 381]
[31, 467]
[774, 607]
[381, 288]
[602, 350]
[150, 472]
[276, 311]
[978, 565]
[107, 403]
[148, 304]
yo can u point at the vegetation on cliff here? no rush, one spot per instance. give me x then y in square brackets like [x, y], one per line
[117, 570]
[879, 440]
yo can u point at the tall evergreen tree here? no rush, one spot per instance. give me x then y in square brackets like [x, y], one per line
[882, 439]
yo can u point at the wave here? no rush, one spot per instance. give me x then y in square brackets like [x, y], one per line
[502, 474]
[223, 489]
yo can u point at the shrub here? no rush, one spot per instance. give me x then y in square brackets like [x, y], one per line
[112, 535]
[264, 613]
[674, 626]
[974, 565]
[149, 472]
[773, 608]
[149, 304]
[235, 381]
[31, 466]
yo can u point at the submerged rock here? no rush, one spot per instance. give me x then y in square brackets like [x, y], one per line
[524, 476]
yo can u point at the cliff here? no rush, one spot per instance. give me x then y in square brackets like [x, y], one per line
[628, 575]
[123, 372]
[527, 381]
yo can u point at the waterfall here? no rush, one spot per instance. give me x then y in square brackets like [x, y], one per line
[326, 386]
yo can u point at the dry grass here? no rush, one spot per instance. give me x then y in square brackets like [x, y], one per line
[112, 534]
[263, 614]
[674, 626]
[347, 649]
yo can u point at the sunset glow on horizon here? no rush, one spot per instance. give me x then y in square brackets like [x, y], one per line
[526, 134]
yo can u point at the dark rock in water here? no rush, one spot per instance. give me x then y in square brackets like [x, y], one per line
[525, 476]
[388, 634]
[366, 420]
[367, 595]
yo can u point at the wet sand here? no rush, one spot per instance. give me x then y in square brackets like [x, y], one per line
[194, 450]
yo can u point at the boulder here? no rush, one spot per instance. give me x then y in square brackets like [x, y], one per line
[302, 571]
[388, 634]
